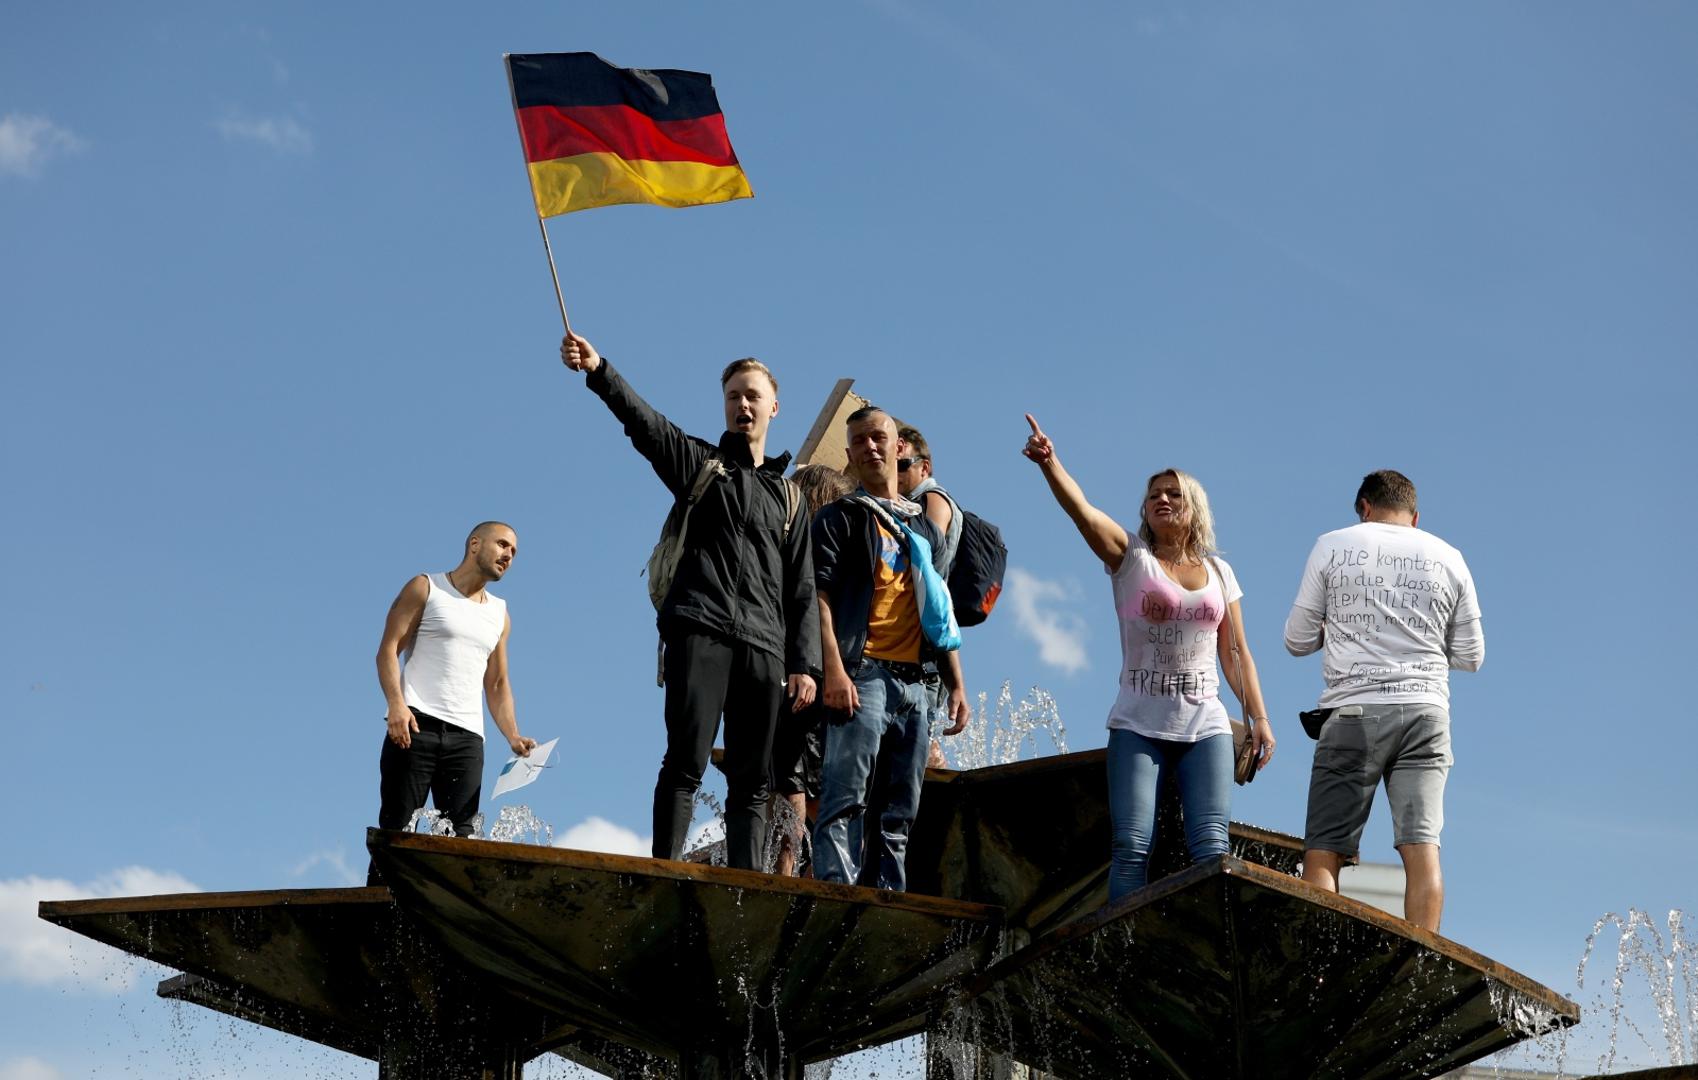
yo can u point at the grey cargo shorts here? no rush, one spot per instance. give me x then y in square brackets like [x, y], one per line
[1407, 745]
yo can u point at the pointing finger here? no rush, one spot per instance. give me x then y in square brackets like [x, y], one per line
[1035, 429]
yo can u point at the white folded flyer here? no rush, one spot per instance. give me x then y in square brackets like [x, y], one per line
[520, 771]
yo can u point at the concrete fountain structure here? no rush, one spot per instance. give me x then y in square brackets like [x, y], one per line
[480, 956]
[483, 955]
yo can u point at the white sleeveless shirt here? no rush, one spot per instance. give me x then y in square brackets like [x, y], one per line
[442, 674]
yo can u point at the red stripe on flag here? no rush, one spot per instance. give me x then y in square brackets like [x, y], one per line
[556, 131]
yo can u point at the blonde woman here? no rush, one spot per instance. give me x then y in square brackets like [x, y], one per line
[1171, 593]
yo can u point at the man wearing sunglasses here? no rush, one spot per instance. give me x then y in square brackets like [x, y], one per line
[914, 480]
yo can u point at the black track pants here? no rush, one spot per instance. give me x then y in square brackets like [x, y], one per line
[708, 675]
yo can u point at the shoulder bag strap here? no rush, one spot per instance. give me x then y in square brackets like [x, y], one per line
[1232, 634]
[792, 501]
[710, 467]
[881, 513]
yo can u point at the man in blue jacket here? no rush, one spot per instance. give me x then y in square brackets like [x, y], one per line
[738, 622]
[874, 657]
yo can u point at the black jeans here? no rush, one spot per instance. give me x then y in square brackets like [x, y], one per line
[444, 762]
[707, 675]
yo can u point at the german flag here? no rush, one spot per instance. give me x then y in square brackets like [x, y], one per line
[596, 135]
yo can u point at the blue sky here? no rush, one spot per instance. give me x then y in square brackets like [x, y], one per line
[277, 329]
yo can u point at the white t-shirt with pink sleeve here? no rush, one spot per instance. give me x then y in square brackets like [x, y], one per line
[1169, 673]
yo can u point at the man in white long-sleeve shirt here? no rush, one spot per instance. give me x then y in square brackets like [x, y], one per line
[1394, 607]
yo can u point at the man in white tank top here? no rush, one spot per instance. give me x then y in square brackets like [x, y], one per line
[443, 654]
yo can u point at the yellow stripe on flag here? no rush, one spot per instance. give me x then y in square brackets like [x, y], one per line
[585, 180]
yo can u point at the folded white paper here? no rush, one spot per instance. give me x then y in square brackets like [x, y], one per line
[520, 771]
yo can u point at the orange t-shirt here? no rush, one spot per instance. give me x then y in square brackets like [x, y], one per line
[893, 621]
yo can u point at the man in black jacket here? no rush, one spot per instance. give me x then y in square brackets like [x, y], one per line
[874, 653]
[739, 623]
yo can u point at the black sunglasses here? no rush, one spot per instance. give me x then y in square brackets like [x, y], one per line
[906, 463]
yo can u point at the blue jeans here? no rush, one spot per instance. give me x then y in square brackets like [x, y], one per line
[890, 732]
[876, 803]
[1136, 768]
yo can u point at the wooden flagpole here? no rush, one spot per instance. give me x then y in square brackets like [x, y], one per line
[542, 224]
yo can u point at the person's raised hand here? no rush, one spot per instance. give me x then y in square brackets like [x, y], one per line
[1038, 447]
[578, 354]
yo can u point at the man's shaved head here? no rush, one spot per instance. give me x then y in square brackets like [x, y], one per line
[482, 529]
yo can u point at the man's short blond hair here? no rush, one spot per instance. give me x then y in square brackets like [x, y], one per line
[748, 363]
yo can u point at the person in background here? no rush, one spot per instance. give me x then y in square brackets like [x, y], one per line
[798, 746]
[915, 481]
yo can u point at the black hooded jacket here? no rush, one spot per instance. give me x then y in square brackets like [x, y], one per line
[740, 574]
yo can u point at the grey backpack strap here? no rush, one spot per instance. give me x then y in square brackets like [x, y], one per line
[663, 561]
[792, 500]
[710, 467]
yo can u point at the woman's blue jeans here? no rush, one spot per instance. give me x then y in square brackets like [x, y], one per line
[1136, 768]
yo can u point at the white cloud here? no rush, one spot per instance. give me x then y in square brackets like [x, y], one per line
[1060, 634]
[337, 860]
[38, 953]
[599, 834]
[29, 142]
[280, 133]
[28, 1068]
